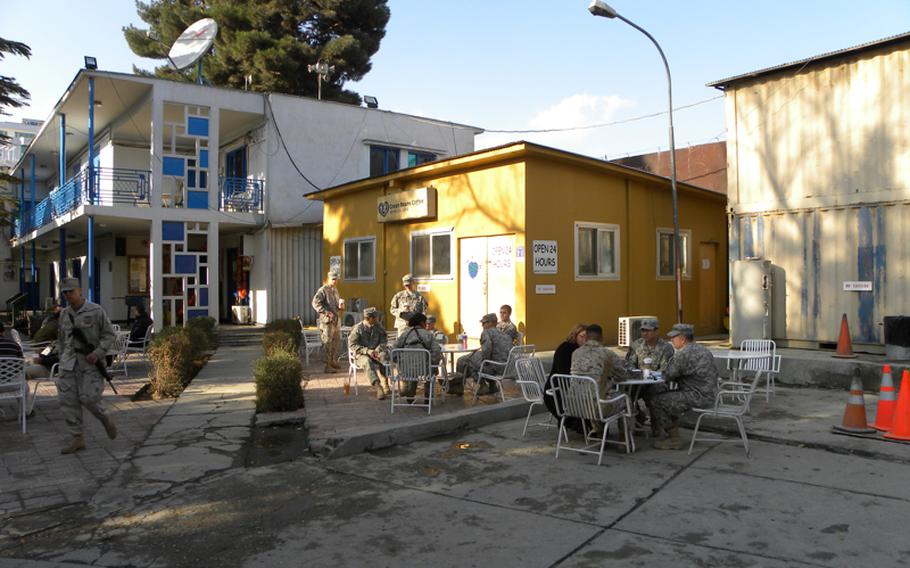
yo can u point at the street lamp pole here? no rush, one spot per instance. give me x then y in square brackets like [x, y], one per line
[602, 9]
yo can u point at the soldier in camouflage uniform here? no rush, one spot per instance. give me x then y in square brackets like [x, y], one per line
[494, 345]
[692, 367]
[438, 335]
[368, 341]
[649, 352]
[505, 324]
[416, 336]
[406, 303]
[80, 382]
[599, 362]
[325, 302]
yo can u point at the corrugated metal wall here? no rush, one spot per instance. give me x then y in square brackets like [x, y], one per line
[296, 260]
[815, 251]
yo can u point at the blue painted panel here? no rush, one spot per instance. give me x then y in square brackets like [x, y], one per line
[203, 158]
[203, 180]
[197, 314]
[172, 231]
[865, 257]
[196, 126]
[172, 166]
[197, 199]
[204, 297]
[185, 264]
[191, 179]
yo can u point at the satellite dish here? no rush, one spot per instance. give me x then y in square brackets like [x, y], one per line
[193, 43]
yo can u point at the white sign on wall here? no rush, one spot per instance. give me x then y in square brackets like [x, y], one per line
[424, 288]
[545, 257]
[407, 205]
[545, 288]
[858, 286]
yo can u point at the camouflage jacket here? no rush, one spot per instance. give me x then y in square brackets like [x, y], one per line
[96, 326]
[326, 302]
[693, 368]
[364, 338]
[601, 364]
[509, 329]
[643, 356]
[418, 338]
[406, 301]
[495, 345]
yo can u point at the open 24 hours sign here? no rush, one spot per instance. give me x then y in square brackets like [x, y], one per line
[545, 255]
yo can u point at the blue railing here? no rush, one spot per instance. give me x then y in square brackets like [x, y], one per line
[241, 195]
[113, 186]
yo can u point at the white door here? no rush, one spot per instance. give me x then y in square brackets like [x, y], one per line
[486, 274]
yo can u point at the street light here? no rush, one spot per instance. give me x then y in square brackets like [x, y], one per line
[602, 9]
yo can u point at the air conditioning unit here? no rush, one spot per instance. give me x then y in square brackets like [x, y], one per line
[630, 329]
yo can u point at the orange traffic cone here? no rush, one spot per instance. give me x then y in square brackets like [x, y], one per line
[887, 401]
[854, 421]
[844, 345]
[901, 428]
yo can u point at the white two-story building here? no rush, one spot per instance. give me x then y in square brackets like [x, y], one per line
[191, 198]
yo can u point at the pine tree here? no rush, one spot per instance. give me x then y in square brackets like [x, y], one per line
[271, 40]
[12, 94]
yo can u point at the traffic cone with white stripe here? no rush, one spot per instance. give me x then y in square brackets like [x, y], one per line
[854, 421]
[887, 402]
[901, 429]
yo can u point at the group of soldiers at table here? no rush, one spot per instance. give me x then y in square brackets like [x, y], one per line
[368, 340]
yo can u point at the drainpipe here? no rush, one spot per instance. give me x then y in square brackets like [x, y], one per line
[62, 177]
[90, 256]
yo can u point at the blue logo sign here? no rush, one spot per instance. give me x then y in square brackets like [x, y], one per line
[473, 269]
[383, 208]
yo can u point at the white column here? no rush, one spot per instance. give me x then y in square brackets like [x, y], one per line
[214, 255]
[156, 148]
[214, 141]
[157, 279]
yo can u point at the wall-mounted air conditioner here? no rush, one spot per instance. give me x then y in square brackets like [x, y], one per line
[630, 329]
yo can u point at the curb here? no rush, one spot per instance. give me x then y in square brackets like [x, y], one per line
[384, 437]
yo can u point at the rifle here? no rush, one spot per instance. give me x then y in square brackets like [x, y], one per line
[79, 335]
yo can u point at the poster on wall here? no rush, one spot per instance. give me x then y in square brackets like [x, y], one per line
[545, 257]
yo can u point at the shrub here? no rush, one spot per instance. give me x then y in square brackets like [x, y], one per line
[278, 340]
[290, 326]
[171, 355]
[205, 325]
[278, 382]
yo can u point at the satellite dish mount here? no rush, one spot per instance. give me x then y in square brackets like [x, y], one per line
[192, 45]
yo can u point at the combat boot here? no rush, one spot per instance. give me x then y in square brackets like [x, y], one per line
[76, 443]
[671, 442]
[380, 393]
[109, 426]
[385, 386]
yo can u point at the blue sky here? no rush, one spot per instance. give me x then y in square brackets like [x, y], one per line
[504, 64]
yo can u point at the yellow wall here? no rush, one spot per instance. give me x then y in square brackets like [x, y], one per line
[547, 195]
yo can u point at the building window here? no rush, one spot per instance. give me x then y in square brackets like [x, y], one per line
[596, 251]
[383, 160]
[665, 265]
[417, 158]
[360, 258]
[431, 254]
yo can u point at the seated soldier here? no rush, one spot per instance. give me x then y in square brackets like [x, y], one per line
[140, 326]
[438, 335]
[692, 368]
[649, 353]
[48, 330]
[494, 346]
[368, 342]
[417, 337]
[505, 324]
[599, 362]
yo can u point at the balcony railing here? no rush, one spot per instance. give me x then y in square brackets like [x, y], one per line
[241, 195]
[113, 186]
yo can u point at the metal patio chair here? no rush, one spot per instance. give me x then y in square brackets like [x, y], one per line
[312, 343]
[498, 371]
[577, 397]
[13, 385]
[729, 403]
[52, 377]
[411, 366]
[768, 362]
[532, 380]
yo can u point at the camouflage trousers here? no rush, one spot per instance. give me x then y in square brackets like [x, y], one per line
[666, 406]
[78, 388]
[330, 333]
[375, 369]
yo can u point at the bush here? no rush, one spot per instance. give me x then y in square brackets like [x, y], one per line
[278, 340]
[278, 382]
[171, 355]
[198, 340]
[205, 325]
[289, 326]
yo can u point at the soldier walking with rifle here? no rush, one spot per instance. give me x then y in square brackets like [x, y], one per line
[84, 337]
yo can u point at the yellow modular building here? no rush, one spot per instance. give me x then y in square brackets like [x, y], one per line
[560, 237]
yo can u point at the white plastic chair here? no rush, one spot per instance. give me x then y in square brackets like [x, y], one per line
[577, 397]
[532, 380]
[311, 343]
[13, 385]
[52, 377]
[729, 403]
[352, 371]
[140, 347]
[411, 366]
[120, 351]
[498, 371]
[768, 361]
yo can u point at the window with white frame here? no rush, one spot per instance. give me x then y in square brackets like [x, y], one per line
[665, 263]
[432, 254]
[360, 258]
[596, 251]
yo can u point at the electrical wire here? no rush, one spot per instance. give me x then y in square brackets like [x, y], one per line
[268, 103]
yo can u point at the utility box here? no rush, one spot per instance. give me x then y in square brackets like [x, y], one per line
[630, 329]
[750, 309]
